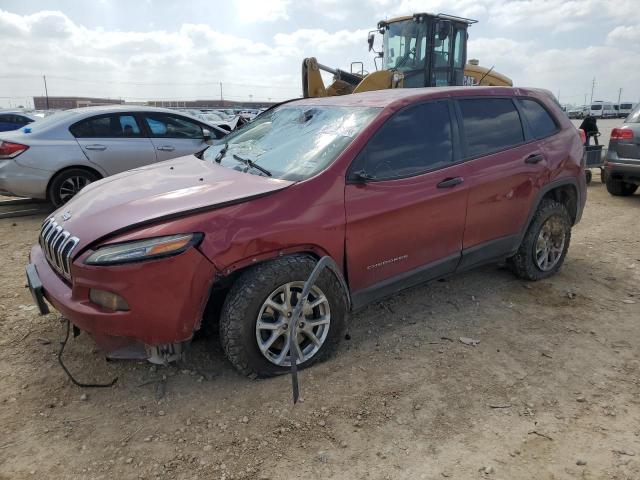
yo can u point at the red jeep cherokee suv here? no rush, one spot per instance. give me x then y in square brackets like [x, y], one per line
[398, 187]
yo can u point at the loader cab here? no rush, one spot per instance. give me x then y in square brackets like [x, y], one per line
[429, 50]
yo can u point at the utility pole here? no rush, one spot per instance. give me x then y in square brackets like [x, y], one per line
[619, 95]
[46, 92]
[585, 99]
[593, 85]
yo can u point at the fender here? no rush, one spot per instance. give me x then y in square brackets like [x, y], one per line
[566, 181]
[313, 250]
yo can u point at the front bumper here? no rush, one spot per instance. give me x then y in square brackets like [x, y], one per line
[20, 181]
[166, 299]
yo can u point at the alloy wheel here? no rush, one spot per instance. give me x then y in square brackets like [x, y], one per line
[72, 185]
[272, 324]
[550, 243]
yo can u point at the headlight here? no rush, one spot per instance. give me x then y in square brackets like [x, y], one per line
[143, 249]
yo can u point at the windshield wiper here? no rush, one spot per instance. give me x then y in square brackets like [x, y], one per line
[250, 163]
[221, 153]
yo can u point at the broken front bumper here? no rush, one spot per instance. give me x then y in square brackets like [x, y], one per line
[166, 299]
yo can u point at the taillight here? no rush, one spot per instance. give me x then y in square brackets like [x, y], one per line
[583, 136]
[621, 134]
[11, 150]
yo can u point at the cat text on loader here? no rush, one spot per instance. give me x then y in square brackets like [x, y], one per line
[422, 50]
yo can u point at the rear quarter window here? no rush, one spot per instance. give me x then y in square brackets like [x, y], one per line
[490, 125]
[540, 120]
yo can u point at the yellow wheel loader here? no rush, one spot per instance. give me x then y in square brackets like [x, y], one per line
[422, 50]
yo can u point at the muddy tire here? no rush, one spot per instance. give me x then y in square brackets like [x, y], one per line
[68, 183]
[619, 188]
[254, 318]
[544, 246]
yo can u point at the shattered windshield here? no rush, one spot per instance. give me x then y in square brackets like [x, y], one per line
[291, 142]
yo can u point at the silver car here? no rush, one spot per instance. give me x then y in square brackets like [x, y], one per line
[622, 165]
[55, 157]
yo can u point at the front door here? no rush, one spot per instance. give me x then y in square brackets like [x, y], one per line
[174, 135]
[114, 142]
[405, 202]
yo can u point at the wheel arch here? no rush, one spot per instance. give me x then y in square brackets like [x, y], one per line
[564, 191]
[229, 275]
[71, 167]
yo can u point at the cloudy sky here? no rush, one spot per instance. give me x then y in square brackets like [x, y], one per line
[164, 49]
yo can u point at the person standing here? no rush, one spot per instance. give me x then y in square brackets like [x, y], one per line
[590, 127]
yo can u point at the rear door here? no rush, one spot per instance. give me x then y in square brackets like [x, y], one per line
[174, 135]
[114, 142]
[405, 221]
[506, 168]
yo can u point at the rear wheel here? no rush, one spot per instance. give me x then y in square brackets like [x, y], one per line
[68, 183]
[254, 324]
[589, 176]
[544, 246]
[619, 188]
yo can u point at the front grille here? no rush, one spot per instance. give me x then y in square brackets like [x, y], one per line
[57, 245]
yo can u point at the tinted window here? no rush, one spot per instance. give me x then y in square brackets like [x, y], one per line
[172, 126]
[4, 118]
[414, 140]
[108, 126]
[490, 124]
[596, 107]
[541, 123]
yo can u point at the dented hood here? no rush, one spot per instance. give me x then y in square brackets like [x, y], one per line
[164, 190]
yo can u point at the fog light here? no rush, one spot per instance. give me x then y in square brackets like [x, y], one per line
[108, 300]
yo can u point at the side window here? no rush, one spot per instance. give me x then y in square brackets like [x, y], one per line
[415, 140]
[172, 126]
[540, 121]
[458, 49]
[107, 126]
[4, 118]
[490, 125]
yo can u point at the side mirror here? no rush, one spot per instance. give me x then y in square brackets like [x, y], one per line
[206, 135]
[370, 40]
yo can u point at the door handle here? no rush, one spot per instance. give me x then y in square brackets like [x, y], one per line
[450, 182]
[96, 146]
[534, 158]
[166, 148]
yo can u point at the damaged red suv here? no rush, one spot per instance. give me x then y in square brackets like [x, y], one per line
[398, 187]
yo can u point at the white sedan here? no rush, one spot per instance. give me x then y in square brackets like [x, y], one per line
[55, 157]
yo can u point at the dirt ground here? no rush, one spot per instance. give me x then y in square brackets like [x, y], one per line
[552, 390]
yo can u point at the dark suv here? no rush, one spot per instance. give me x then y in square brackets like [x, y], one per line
[398, 187]
[622, 165]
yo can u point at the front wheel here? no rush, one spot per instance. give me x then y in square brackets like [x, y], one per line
[68, 183]
[254, 324]
[544, 246]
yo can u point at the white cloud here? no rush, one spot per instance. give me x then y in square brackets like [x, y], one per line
[251, 11]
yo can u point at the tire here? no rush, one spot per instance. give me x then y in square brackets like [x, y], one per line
[619, 188]
[524, 263]
[247, 300]
[589, 176]
[603, 175]
[67, 183]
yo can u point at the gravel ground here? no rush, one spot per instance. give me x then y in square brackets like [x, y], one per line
[551, 391]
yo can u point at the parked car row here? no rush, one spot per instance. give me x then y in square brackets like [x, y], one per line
[397, 186]
[56, 157]
[602, 110]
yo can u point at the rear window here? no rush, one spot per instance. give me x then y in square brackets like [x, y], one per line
[634, 116]
[490, 125]
[596, 107]
[540, 121]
